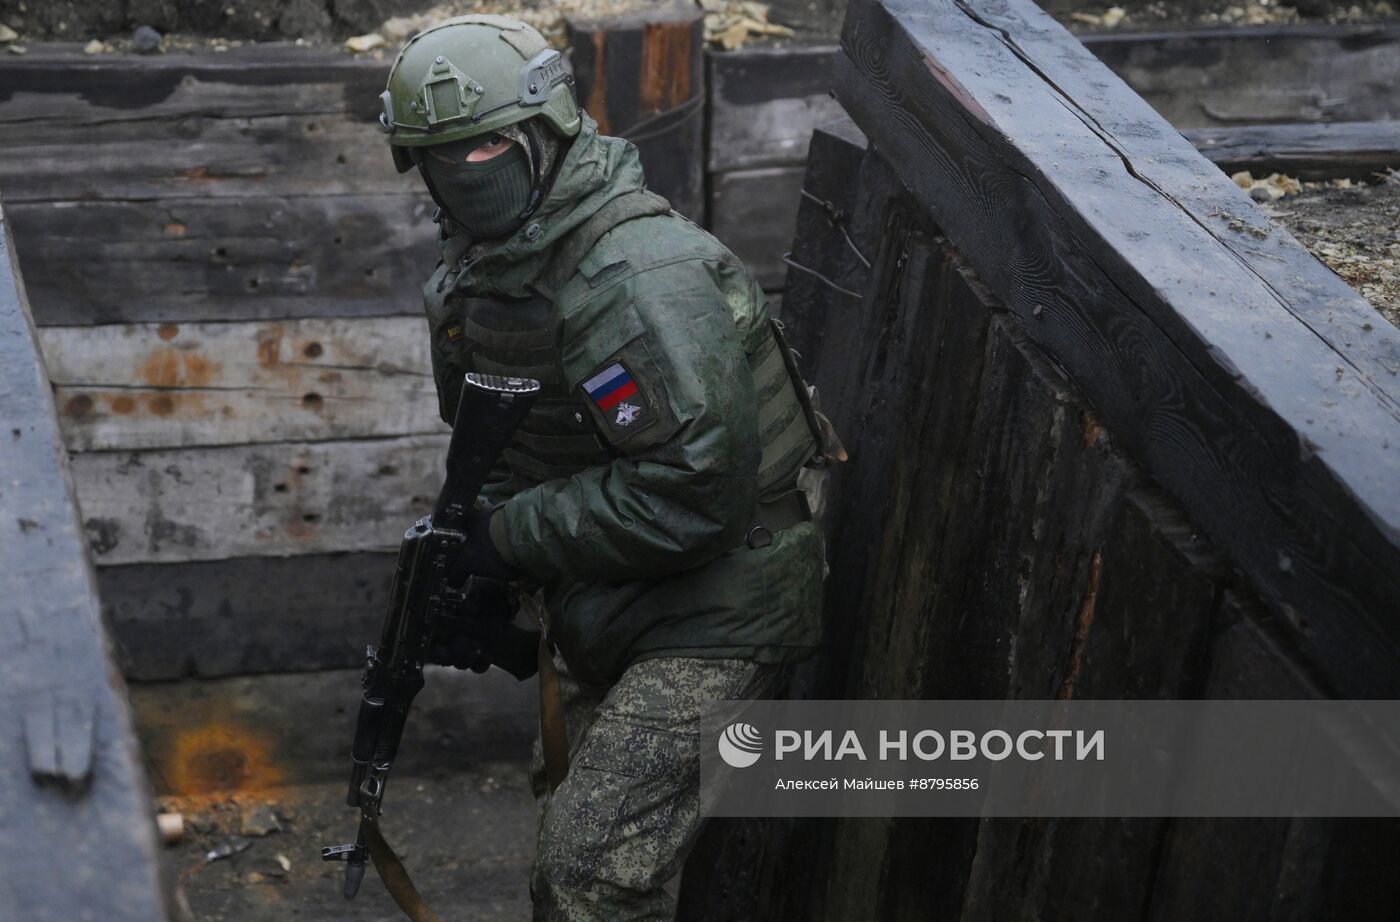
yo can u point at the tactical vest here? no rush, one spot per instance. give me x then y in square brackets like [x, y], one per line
[521, 339]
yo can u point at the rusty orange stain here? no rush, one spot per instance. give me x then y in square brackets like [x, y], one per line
[79, 405]
[220, 756]
[1081, 627]
[162, 405]
[597, 104]
[172, 367]
[175, 229]
[123, 405]
[665, 65]
[1093, 429]
[168, 331]
[270, 346]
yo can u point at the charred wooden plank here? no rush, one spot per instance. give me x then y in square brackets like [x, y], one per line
[226, 258]
[1355, 150]
[245, 615]
[277, 499]
[765, 101]
[641, 75]
[1261, 74]
[1235, 367]
[200, 156]
[75, 795]
[169, 385]
[754, 212]
[842, 203]
[56, 82]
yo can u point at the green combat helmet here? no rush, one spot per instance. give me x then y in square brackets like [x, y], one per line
[471, 75]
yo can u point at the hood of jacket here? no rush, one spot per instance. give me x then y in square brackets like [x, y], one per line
[595, 170]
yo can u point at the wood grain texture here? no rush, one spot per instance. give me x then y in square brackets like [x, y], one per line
[197, 156]
[1246, 377]
[277, 499]
[171, 385]
[836, 230]
[1355, 150]
[245, 615]
[242, 82]
[76, 795]
[1240, 76]
[226, 258]
[641, 75]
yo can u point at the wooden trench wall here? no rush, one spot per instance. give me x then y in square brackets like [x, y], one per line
[1112, 436]
[76, 805]
[225, 275]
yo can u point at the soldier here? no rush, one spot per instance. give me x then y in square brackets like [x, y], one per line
[651, 495]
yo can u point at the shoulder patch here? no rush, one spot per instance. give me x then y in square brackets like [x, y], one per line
[621, 403]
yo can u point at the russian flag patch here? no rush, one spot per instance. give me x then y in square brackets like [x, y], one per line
[617, 397]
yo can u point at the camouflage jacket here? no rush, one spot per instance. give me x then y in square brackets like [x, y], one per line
[667, 413]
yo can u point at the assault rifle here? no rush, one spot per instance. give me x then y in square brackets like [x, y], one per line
[423, 605]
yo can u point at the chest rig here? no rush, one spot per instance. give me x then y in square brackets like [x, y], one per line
[521, 338]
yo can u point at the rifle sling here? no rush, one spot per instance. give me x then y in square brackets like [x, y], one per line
[392, 872]
[554, 742]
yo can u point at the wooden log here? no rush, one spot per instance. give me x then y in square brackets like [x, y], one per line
[1259, 75]
[1355, 150]
[765, 101]
[641, 75]
[277, 499]
[199, 156]
[182, 385]
[754, 213]
[76, 796]
[226, 258]
[245, 615]
[1235, 367]
[56, 82]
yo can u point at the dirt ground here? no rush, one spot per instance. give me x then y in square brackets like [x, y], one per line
[1355, 231]
[257, 768]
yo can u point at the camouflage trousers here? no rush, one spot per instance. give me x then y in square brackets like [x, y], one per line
[621, 823]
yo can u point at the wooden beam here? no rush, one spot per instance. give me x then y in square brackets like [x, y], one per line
[765, 102]
[273, 500]
[1248, 379]
[245, 615]
[754, 213]
[169, 385]
[226, 258]
[641, 75]
[1262, 74]
[75, 802]
[1356, 150]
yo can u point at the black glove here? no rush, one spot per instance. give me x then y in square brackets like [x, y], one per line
[480, 556]
[469, 640]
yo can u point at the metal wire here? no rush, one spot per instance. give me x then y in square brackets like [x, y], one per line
[837, 217]
[787, 258]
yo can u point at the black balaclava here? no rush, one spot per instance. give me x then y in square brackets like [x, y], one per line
[490, 198]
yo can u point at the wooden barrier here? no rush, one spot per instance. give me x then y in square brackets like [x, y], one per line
[1249, 380]
[992, 537]
[1354, 150]
[641, 75]
[80, 837]
[225, 270]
